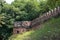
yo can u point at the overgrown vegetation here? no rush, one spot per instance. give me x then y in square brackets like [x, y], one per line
[21, 10]
[50, 31]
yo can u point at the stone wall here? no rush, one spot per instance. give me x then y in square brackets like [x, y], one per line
[53, 13]
[19, 30]
[23, 25]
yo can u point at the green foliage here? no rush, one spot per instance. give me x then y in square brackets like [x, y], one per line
[30, 7]
[53, 3]
[43, 6]
[22, 10]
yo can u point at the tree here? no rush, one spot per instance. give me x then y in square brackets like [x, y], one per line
[31, 8]
[53, 3]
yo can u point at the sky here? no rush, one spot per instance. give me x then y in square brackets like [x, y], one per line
[9, 1]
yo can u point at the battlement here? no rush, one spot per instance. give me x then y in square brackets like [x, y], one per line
[22, 26]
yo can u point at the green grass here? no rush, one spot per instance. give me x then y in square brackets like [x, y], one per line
[50, 31]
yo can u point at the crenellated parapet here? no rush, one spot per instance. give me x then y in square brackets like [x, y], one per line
[53, 13]
[22, 26]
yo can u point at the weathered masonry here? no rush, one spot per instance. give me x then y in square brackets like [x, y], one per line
[23, 26]
[41, 19]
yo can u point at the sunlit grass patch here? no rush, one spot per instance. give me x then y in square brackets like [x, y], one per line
[24, 36]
